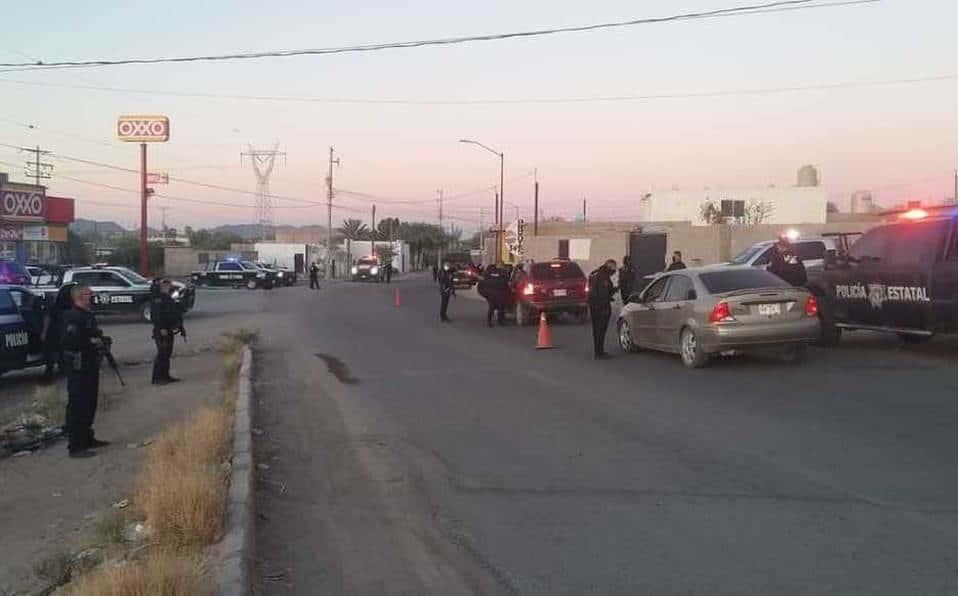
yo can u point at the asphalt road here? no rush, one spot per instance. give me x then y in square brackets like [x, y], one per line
[403, 456]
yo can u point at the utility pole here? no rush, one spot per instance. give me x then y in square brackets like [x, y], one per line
[373, 233]
[498, 230]
[329, 215]
[535, 205]
[583, 209]
[442, 232]
[954, 197]
[36, 169]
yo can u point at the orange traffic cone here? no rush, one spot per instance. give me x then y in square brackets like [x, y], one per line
[545, 334]
[396, 299]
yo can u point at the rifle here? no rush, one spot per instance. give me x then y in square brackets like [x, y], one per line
[108, 355]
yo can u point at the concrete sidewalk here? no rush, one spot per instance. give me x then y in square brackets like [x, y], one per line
[49, 503]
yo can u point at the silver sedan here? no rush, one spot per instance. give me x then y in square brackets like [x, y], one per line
[700, 312]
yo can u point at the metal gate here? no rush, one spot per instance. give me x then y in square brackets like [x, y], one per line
[647, 252]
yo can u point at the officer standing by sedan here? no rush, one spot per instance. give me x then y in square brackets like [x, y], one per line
[83, 344]
[167, 322]
[313, 276]
[446, 290]
[601, 294]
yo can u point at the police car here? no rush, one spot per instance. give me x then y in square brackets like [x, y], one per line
[120, 290]
[899, 278]
[21, 320]
[366, 269]
[235, 273]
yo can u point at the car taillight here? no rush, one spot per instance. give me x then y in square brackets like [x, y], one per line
[721, 313]
[529, 290]
[586, 288]
[811, 307]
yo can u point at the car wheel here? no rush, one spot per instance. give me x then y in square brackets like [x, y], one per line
[146, 312]
[625, 337]
[794, 354]
[913, 339]
[692, 354]
[251, 284]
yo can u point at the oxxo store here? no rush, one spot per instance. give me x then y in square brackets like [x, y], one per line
[33, 226]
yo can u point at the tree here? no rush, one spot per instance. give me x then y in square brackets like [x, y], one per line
[212, 239]
[78, 249]
[710, 213]
[387, 228]
[758, 212]
[352, 229]
[126, 252]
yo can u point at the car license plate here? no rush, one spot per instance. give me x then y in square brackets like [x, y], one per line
[769, 309]
[559, 293]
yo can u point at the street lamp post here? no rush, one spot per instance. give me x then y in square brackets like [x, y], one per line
[502, 195]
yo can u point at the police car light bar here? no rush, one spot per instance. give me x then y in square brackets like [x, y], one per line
[914, 214]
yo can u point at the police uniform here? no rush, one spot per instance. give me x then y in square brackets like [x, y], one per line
[81, 343]
[601, 292]
[167, 320]
[445, 291]
[789, 267]
[313, 277]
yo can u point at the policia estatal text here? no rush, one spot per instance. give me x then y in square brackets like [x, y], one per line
[83, 344]
[167, 322]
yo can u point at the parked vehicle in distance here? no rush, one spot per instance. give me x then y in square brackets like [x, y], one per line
[21, 322]
[700, 312]
[464, 276]
[551, 287]
[234, 273]
[811, 251]
[366, 269]
[282, 276]
[899, 278]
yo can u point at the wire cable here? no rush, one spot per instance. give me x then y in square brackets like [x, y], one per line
[781, 5]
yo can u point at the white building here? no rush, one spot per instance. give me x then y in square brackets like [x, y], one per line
[363, 248]
[793, 205]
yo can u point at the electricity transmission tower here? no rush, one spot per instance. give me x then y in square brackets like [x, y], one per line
[263, 161]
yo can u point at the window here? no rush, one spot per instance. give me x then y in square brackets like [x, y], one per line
[766, 257]
[248, 266]
[808, 251]
[746, 255]
[730, 280]
[87, 278]
[115, 279]
[556, 270]
[679, 289]
[915, 244]
[230, 266]
[7, 305]
[655, 292]
[731, 208]
[18, 297]
[563, 249]
[871, 245]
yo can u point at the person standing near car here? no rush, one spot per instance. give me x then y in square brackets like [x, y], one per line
[787, 265]
[601, 294]
[676, 263]
[167, 322]
[313, 276]
[82, 344]
[435, 273]
[52, 330]
[626, 279]
[388, 270]
[446, 290]
[494, 287]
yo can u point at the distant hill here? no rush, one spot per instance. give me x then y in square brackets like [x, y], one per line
[110, 229]
[104, 229]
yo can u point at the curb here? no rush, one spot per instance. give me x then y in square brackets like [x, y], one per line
[235, 550]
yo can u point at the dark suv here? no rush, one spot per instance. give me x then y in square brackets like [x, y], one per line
[900, 278]
[557, 286]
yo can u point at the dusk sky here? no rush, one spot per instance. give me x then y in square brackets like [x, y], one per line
[898, 140]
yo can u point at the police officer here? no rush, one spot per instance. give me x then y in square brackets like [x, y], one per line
[446, 289]
[314, 276]
[494, 287]
[787, 265]
[435, 273]
[626, 278]
[676, 263]
[82, 343]
[53, 329]
[167, 322]
[601, 293]
[388, 271]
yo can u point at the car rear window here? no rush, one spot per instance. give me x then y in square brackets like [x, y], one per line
[7, 305]
[556, 271]
[719, 282]
[808, 251]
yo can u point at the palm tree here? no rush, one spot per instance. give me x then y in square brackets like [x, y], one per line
[352, 229]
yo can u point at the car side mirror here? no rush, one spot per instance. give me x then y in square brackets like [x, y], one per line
[692, 295]
[636, 298]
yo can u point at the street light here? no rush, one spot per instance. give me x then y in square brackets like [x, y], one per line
[499, 202]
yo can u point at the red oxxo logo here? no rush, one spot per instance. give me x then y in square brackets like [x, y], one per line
[143, 128]
[22, 204]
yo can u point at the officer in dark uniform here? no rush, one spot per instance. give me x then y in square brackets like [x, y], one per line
[435, 273]
[388, 269]
[167, 322]
[53, 329]
[82, 344]
[446, 289]
[677, 262]
[494, 287]
[787, 265]
[314, 276]
[601, 293]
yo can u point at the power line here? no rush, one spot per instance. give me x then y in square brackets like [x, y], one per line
[779, 6]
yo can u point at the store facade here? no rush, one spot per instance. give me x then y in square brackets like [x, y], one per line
[33, 225]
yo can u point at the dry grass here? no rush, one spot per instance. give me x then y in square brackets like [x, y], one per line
[162, 572]
[182, 490]
[111, 526]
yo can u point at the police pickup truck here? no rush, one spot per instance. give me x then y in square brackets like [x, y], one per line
[118, 290]
[899, 278]
[235, 274]
[21, 320]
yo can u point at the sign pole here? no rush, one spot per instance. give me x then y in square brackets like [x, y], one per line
[144, 255]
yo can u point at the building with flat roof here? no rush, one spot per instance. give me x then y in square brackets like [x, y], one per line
[33, 225]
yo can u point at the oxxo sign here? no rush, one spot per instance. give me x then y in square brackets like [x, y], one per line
[143, 129]
[21, 204]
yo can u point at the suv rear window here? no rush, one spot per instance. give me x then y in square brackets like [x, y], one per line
[915, 244]
[556, 270]
[719, 282]
[808, 251]
[7, 305]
